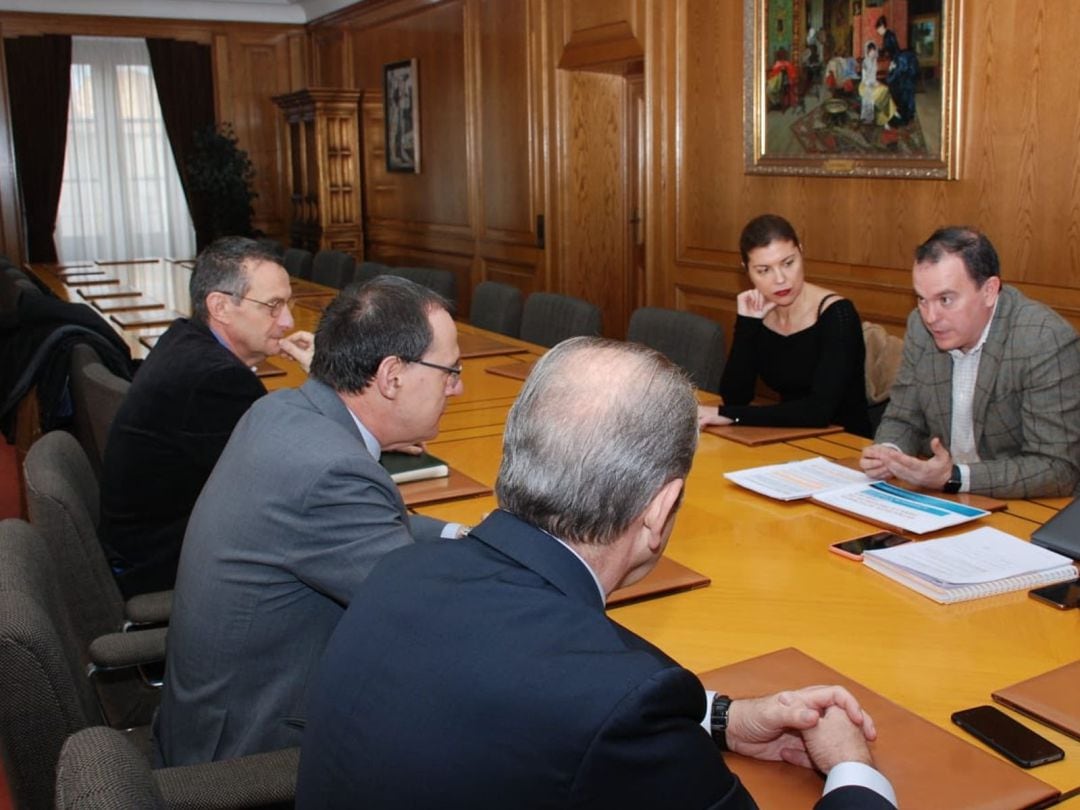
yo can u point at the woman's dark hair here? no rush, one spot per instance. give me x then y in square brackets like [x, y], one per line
[881, 22]
[763, 231]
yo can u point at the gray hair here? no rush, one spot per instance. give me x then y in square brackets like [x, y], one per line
[599, 427]
[222, 267]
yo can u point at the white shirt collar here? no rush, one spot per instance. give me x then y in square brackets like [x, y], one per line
[370, 442]
[956, 354]
[596, 579]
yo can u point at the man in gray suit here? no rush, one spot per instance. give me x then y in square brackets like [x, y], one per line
[987, 398]
[294, 516]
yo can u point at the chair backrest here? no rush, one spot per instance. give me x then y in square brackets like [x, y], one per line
[333, 268]
[96, 394]
[62, 496]
[298, 263]
[883, 355]
[549, 318]
[691, 341]
[100, 769]
[44, 695]
[441, 281]
[272, 245]
[366, 271]
[497, 308]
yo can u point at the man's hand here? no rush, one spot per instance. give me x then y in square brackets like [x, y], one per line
[707, 415]
[300, 346]
[772, 727]
[752, 304]
[836, 739]
[881, 461]
[412, 448]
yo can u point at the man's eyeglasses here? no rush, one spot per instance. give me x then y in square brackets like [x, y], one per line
[274, 306]
[453, 371]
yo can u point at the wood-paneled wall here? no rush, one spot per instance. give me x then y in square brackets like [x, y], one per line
[252, 62]
[523, 114]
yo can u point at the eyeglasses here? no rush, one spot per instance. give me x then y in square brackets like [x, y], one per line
[274, 306]
[453, 371]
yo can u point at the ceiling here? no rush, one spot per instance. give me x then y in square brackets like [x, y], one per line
[268, 11]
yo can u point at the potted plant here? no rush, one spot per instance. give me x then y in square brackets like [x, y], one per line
[220, 178]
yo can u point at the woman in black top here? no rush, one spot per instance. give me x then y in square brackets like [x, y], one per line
[803, 341]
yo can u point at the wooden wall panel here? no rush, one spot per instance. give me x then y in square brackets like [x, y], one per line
[593, 257]
[11, 227]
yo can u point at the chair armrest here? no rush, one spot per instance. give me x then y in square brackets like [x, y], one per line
[119, 650]
[257, 780]
[149, 608]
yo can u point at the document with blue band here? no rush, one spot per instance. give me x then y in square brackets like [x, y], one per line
[850, 491]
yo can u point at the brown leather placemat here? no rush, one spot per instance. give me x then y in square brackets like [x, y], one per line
[1052, 698]
[432, 490]
[150, 340]
[472, 345]
[96, 281]
[928, 766]
[126, 303]
[753, 435]
[96, 293]
[667, 577]
[267, 369]
[154, 317]
[77, 273]
[515, 371]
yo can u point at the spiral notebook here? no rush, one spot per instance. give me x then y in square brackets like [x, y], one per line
[979, 563]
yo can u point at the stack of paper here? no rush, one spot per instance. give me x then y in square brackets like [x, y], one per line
[983, 562]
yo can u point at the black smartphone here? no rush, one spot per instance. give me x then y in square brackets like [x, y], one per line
[853, 549]
[1063, 595]
[1007, 736]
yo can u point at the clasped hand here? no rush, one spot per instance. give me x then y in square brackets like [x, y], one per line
[882, 461]
[817, 726]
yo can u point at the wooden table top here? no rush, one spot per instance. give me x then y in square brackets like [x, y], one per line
[774, 582]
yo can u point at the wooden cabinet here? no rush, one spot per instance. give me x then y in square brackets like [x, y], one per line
[322, 162]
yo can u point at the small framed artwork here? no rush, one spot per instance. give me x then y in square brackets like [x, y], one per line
[925, 38]
[850, 88]
[401, 107]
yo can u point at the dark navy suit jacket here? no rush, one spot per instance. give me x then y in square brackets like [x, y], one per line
[484, 673]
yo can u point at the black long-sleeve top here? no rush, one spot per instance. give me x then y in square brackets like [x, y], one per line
[818, 372]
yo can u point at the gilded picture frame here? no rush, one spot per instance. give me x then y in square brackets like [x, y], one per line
[401, 108]
[831, 90]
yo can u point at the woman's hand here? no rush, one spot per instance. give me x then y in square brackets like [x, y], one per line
[752, 304]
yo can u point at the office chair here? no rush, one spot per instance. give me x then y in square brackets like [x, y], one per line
[332, 268]
[497, 308]
[688, 340]
[549, 318]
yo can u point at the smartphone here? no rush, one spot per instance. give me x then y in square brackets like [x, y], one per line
[1063, 595]
[1007, 736]
[853, 549]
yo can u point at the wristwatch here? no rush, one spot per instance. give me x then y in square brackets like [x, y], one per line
[953, 484]
[719, 720]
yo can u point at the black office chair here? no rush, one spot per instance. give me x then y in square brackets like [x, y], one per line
[298, 263]
[441, 281]
[691, 341]
[549, 318]
[332, 268]
[497, 308]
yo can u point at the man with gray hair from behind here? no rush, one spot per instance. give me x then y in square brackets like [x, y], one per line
[497, 647]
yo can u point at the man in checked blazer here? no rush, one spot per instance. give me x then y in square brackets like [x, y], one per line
[987, 398]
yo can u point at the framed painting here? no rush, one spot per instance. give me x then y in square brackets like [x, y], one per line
[401, 103]
[858, 88]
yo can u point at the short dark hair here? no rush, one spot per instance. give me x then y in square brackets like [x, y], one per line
[384, 317]
[881, 22]
[762, 231]
[972, 246]
[222, 267]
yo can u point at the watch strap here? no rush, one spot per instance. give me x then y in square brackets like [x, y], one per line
[718, 724]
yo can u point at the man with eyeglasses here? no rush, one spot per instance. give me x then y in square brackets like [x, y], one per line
[293, 518]
[183, 404]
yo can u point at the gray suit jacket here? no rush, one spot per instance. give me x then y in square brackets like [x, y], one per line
[292, 519]
[1026, 409]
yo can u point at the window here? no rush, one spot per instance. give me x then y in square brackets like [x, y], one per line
[121, 196]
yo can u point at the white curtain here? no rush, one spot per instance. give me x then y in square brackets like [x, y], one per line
[121, 197]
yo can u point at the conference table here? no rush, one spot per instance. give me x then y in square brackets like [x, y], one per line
[775, 584]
